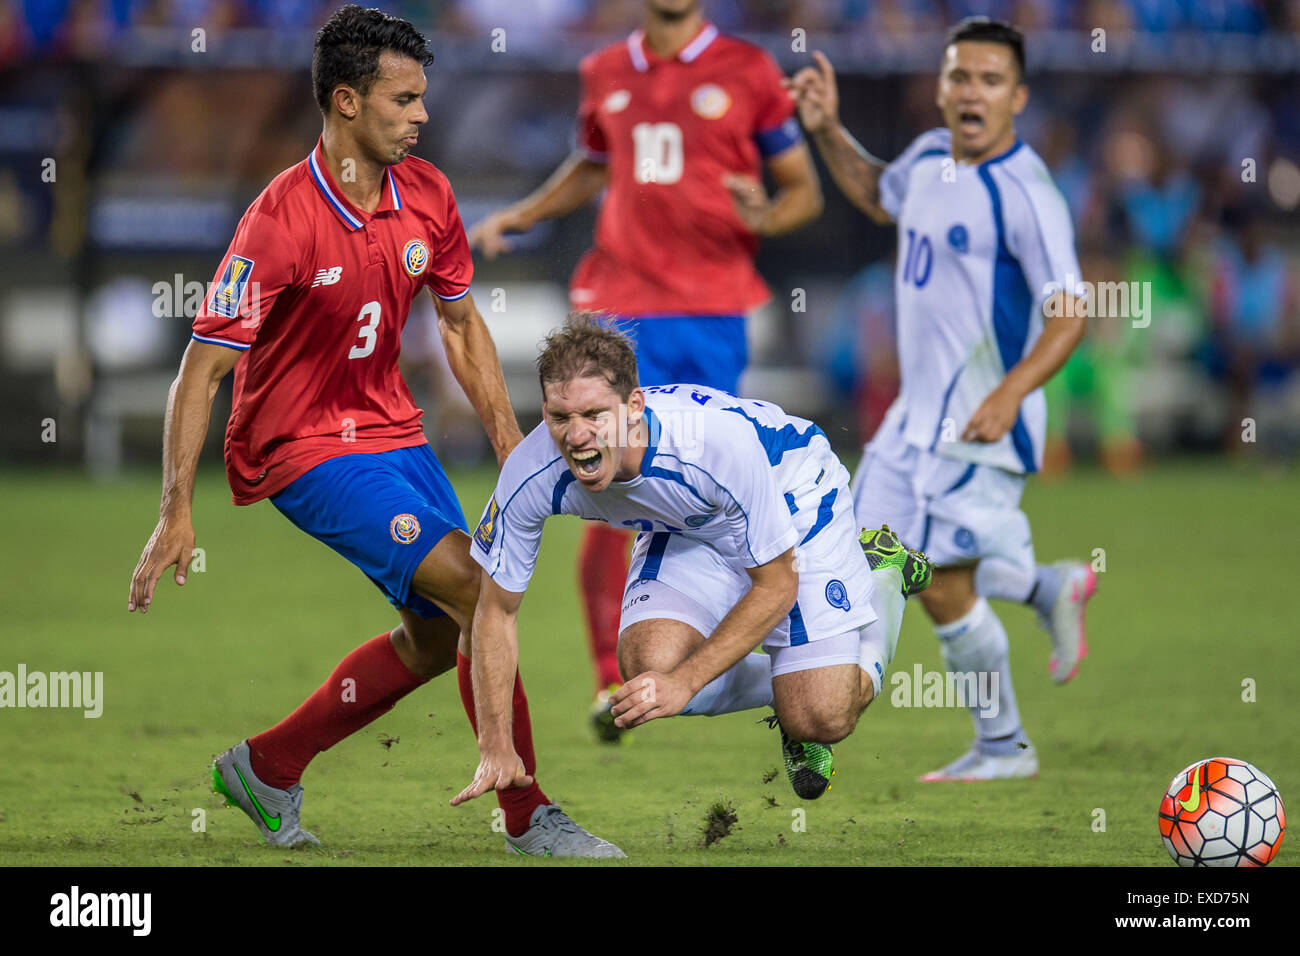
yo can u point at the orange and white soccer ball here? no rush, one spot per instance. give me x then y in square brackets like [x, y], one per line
[1222, 812]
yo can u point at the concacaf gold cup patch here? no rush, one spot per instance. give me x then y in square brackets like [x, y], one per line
[404, 528]
[415, 257]
[486, 532]
[230, 290]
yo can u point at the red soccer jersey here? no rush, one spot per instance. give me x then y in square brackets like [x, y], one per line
[317, 292]
[668, 240]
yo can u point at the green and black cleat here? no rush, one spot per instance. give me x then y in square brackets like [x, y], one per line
[808, 767]
[884, 550]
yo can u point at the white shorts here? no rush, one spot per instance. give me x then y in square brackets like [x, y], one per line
[955, 511]
[699, 587]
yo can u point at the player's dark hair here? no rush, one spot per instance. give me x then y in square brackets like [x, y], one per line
[986, 30]
[348, 48]
[588, 346]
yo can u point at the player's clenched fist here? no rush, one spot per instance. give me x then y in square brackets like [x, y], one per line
[172, 543]
[497, 770]
[814, 92]
[648, 696]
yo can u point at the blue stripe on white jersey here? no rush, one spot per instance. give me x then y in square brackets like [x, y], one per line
[743, 476]
[979, 246]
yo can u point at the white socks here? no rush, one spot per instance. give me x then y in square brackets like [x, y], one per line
[975, 648]
[744, 686]
[879, 640]
[1003, 580]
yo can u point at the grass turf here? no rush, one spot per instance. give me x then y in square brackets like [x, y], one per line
[1195, 599]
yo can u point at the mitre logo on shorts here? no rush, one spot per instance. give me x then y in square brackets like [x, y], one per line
[415, 257]
[837, 595]
[486, 532]
[404, 528]
[710, 101]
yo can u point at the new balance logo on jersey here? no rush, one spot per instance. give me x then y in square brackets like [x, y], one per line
[328, 276]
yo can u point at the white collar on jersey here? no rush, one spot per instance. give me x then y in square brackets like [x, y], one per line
[636, 47]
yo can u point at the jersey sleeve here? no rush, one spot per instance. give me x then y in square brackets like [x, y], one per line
[775, 127]
[453, 267]
[591, 137]
[1041, 237]
[893, 181]
[509, 534]
[752, 506]
[260, 263]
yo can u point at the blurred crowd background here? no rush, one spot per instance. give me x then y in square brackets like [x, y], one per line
[133, 134]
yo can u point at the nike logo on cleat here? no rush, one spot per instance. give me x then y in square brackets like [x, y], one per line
[272, 823]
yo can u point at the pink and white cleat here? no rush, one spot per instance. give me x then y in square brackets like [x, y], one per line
[1065, 624]
[974, 767]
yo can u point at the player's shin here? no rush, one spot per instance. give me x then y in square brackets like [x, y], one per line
[365, 685]
[976, 652]
[879, 640]
[744, 686]
[1004, 580]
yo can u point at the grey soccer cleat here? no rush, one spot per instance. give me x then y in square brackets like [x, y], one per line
[274, 811]
[551, 833]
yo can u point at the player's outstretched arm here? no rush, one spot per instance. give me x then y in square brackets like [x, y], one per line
[571, 186]
[472, 355]
[495, 645]
[1062, 333]
[854, 170]
[189, 405]
[797, 201]
[774, 587]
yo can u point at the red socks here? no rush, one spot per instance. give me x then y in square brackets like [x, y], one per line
[365, 685]
[518, 802]
[602, 572]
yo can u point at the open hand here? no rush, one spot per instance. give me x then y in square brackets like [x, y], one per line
[172, 543]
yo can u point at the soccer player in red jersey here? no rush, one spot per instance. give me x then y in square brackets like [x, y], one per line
[678, 122]
[308, 309]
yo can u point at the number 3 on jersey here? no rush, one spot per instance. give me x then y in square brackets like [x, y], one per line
[659, 155]
[370, 315]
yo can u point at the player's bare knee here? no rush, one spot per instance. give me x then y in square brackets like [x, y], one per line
[655, 645]
[426, 646]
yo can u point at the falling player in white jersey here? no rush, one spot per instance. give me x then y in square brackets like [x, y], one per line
[747, 536]
[989, 307]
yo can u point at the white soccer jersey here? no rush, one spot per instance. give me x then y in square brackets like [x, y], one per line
[741, 475]
[980, 249]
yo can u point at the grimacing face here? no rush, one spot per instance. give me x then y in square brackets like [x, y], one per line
[387, 120]
[583, 416]
[980, 94]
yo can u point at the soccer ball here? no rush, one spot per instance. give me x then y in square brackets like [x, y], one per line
[1222, 812]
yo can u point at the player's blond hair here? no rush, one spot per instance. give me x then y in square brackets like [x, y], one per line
[589, 345]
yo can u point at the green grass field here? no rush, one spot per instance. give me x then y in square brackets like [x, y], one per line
[1196, 597]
